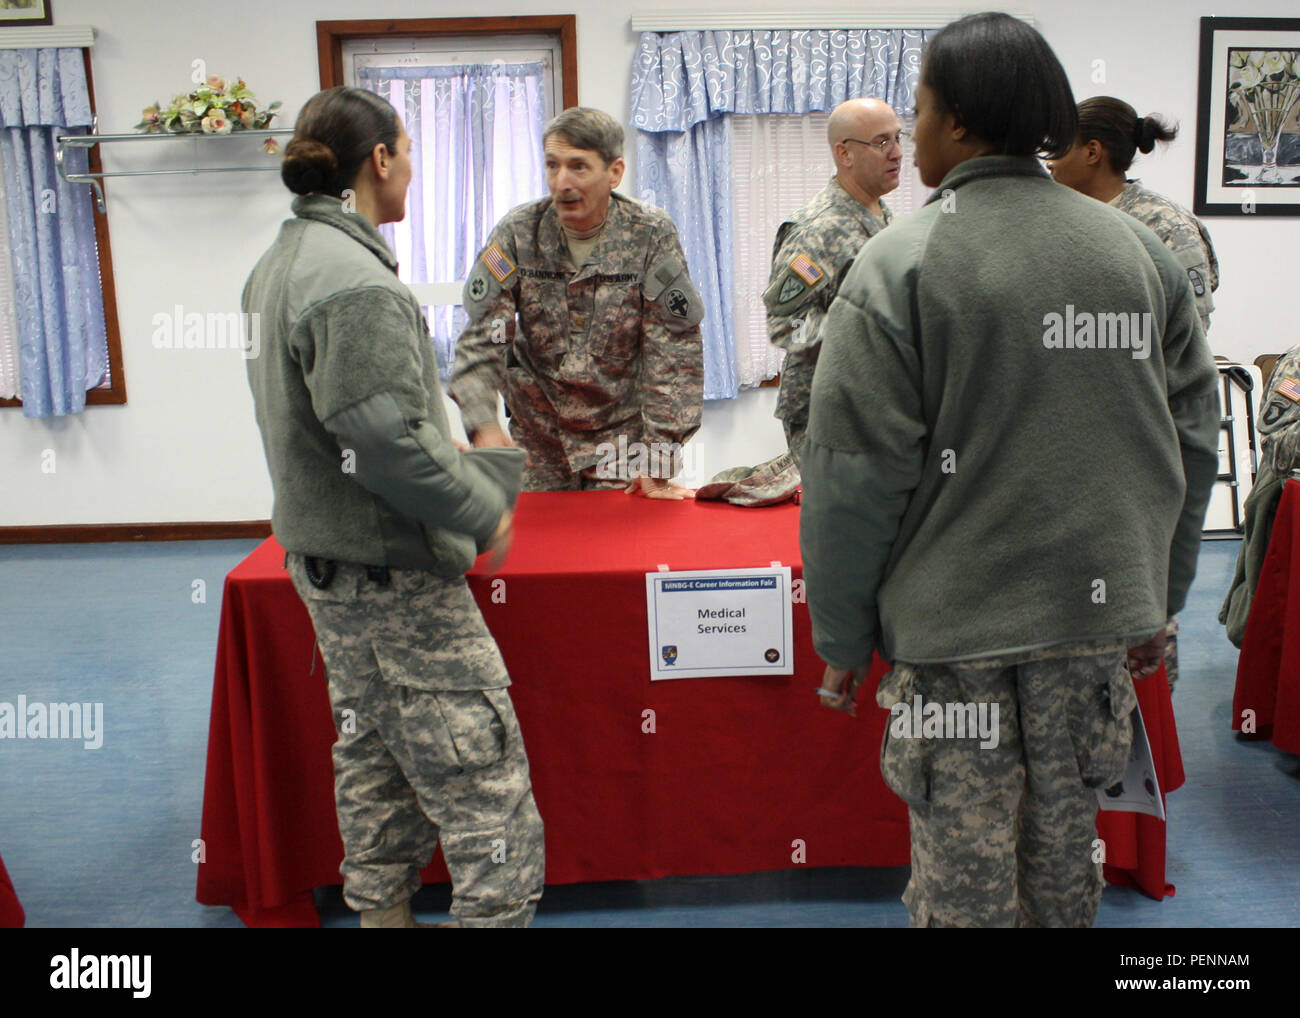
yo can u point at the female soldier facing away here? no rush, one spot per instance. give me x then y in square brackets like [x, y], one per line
[1005, 507]
[1110, 133]
[381, 515]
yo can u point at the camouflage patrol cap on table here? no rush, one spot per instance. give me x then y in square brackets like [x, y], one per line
[769, 483]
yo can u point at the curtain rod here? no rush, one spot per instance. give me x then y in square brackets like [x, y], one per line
[694, 20]
[47, 37]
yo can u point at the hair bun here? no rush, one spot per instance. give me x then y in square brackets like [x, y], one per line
[309, 166]
[1144, 135]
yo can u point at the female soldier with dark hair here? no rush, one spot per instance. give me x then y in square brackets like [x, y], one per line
[1110, 134]
[381, 515]
[1013, 437]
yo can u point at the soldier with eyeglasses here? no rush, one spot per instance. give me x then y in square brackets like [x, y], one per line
[815, 247]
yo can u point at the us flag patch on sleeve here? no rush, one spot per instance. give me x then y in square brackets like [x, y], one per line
[806, 269]
[498, 264]
[1289, 388]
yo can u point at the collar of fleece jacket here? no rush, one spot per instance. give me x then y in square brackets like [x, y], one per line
[325, 209]
[987, 166]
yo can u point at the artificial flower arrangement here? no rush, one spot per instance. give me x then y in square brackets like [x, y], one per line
[212, 108]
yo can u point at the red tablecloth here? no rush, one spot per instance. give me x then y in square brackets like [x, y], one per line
[11, 912]
[1135, 842]
[1268, 670]
[741, 774]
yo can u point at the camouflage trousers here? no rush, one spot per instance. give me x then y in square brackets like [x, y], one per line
[1004, 834]
[793, 401]
[548, 467]
[1171, 651]
[428, 747]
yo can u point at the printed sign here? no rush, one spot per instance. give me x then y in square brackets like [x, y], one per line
[720, 622]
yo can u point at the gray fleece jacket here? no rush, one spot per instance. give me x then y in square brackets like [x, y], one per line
[346, 391]
[994, 464]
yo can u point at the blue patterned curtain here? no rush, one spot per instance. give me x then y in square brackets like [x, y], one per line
[684, 85]
[476, 153]
[59, 305]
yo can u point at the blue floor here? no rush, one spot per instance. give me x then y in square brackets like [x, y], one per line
[104, 838]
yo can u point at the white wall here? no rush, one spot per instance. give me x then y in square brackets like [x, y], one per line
[185, 446]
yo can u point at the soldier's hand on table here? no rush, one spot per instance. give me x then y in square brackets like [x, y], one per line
[839, 689]
[490, 436]
[1146, 658]
[654, 487]
[499, 543]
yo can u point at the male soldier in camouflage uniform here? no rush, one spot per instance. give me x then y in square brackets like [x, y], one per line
[816, 246]
[607, 351]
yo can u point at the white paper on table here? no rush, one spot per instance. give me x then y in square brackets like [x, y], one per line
[1139, 789]
[720, 622]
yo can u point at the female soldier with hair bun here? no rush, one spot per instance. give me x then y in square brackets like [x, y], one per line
[1110, 134]
[381, 515]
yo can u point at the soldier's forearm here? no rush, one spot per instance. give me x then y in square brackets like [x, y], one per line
[477, 399]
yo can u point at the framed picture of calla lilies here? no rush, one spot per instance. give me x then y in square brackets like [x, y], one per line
[1248, 118]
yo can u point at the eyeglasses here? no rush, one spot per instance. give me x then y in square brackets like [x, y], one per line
[885, 144]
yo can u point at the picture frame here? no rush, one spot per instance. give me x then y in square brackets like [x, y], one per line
[1248, 118]
[25, 13]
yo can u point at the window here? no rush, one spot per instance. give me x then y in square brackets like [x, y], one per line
[474, 95]
[81, 297]
[780, 162]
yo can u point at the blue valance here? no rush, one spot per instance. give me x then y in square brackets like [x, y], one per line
[680, 79]
[43, 88]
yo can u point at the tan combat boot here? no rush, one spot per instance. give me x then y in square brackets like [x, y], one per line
[398, 917]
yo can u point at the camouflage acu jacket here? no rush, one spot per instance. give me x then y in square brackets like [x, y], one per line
[812, 253]
[583, 356]
[1183, 234]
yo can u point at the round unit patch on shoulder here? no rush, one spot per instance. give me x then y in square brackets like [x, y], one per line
[677, 302]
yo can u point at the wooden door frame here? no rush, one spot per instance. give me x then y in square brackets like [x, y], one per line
[330, 36]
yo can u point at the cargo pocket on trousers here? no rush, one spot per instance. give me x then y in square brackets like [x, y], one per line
[904, 762]
[1101, 727]
[477, 729]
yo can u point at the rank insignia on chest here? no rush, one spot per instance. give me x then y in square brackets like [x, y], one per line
[498, 264]
[806, 269]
